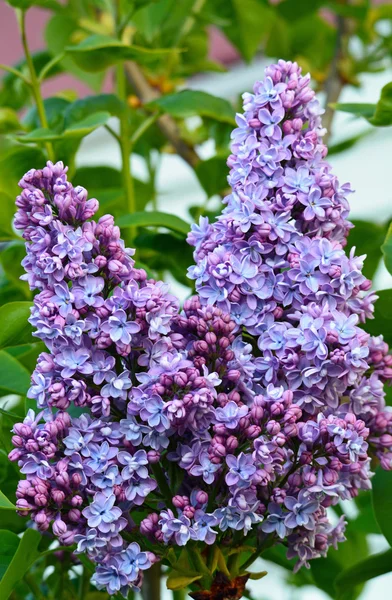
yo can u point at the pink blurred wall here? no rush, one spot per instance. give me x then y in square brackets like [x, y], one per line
[11, 50]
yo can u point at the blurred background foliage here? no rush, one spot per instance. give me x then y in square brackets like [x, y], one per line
[136, 57]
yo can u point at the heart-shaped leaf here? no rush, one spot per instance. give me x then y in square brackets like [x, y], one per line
[5, 504]
[75, 131]
[366, 569]
[15, 329]
[155, 218]
[387, 249]
[382, 501]
[14, 377]
[98, 52]
[25, 555]
[190, 103]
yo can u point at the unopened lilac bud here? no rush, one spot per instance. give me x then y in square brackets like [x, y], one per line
[59, 527]
[232, 443]
[252, 432]
[180, 501]
[309, 478]
[233, 375]
[189, 511]
[201, 497]
[273, 427]
[153, 457]
[40, 499]
[74, 515]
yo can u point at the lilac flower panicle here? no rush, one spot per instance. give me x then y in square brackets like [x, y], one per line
[250, 411]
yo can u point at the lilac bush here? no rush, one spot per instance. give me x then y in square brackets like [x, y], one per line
[238, 420]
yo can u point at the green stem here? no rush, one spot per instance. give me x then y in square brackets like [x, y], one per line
[21, 14]
[163, 484]
[125, 142]
[263, 546]
[143, 128]
[183, 31]
[33, 585]
[179, 594]
[151, 588]
[84, 584]
[200, 566]
[16, 73]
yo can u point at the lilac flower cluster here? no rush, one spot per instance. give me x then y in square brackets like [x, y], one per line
[250, 412]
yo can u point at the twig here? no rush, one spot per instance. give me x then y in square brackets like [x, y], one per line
[151, 588]
[334, 83]
[16, 73]
[21, 15]
[166, 124]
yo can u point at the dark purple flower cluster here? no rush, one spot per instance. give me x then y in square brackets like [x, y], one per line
[250, 412]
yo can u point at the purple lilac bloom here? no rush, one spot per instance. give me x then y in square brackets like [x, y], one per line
[249, 411]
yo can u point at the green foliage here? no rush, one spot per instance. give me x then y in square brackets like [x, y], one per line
[5, 504]
[190, 103]
[212, 174]
[382, 317]
[25, 555]
[155, 219]
[147, 114]
[370, 567]
[15, 330]
[14, 377]
[367, 238]
[379, 115]
[382, 501]
[98, 52]
[387, 249]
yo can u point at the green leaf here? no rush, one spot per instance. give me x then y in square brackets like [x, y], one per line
[15, 329]
[26, 554]
[55, 108]
[106, 184]
[75, 131]
[252, 21]
[245, 22]
[366, 569]
[367, 238]
[14, 92]
[189, 103]
[387, 249]
[9, 545]
[292, 10]
[5, 504]
[7, 214]
[326, 570]
[98, 52]
[383, 114]
[348, 143]
[382, 322]
[13, 165]
[9, 121]
[379, 115]
[179, 581]
[14, 378]
[59, 33]
[257, 576]
[81, 109]
[382, 501]
[27, 354]
[10, 259]
[359, 110]
[212, 174]
[155, 219]
[165, 252]
[25, 4]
